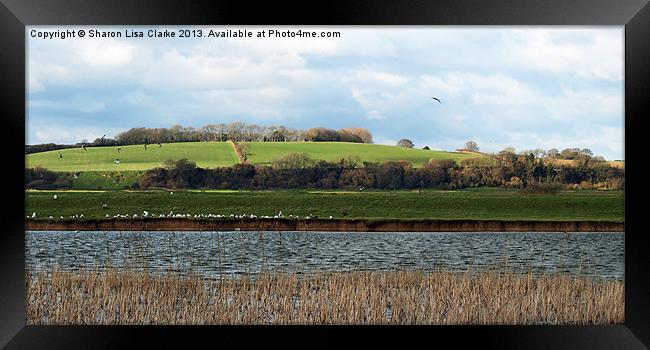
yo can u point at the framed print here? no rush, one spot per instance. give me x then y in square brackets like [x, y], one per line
[384, 171]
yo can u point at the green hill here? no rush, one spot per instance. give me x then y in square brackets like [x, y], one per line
[267, 152]
[205, 154]
[221, 154]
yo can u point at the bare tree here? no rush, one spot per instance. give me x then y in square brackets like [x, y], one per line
[471, 146]
[244, 150]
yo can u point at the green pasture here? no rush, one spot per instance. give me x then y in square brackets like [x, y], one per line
[221, 154]
[494, 204]
[136, 157]
[267, 152]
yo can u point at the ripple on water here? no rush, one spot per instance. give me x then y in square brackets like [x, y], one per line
[213, 253]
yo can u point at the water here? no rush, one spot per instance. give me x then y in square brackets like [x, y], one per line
[216, 253]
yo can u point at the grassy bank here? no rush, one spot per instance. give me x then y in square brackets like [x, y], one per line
[397, 297]
[489, 204]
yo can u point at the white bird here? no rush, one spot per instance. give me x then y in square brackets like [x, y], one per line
[280, 214]
[34, 215]
[171, 192]
[55, 196]
[330, 216]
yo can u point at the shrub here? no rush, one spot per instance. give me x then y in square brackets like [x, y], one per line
[586, 185]
[515, 182]
[542, 188]
[41, 178]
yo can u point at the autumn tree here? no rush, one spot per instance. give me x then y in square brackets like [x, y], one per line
[405, 143]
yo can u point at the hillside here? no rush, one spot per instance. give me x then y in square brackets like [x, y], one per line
[221, 154]
[267, 152]
[136, 157]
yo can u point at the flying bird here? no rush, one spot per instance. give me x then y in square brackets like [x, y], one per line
[436, 99]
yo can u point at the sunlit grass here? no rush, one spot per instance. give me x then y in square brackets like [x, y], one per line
[461, 205]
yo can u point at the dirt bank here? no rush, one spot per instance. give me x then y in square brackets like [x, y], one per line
[360, 225]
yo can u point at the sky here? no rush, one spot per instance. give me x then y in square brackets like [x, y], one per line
[521, 87]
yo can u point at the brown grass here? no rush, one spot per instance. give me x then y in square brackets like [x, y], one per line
[396, 297]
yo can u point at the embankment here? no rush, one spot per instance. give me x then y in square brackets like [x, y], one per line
[359, 225]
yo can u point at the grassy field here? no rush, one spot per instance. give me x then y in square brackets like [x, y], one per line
[106, 180]
[267, 152]
[395, 297]
[205, 154]
[470, 204]
[221, 154]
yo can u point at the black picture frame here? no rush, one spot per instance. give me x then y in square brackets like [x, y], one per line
[16, 14]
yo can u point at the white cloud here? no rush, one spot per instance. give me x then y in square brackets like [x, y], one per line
[68, 135]
[105, 52]
[586, 53]
[496, 89]
[375, 115]
[382, 78]
[76, 104]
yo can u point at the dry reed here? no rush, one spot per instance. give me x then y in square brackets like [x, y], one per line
[394, 297]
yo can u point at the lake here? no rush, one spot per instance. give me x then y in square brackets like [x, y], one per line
[212, 254]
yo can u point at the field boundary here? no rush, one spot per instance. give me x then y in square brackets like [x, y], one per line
[334, 225]
[234, 147]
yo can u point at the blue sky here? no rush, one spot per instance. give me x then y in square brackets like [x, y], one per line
[524, 87]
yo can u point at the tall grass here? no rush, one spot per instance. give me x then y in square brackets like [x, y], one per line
[358, 297]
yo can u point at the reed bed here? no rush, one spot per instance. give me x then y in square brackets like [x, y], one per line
[358, 297]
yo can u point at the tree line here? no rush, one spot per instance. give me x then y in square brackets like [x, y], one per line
[298, 170]
[240, 132]
[236, 131]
